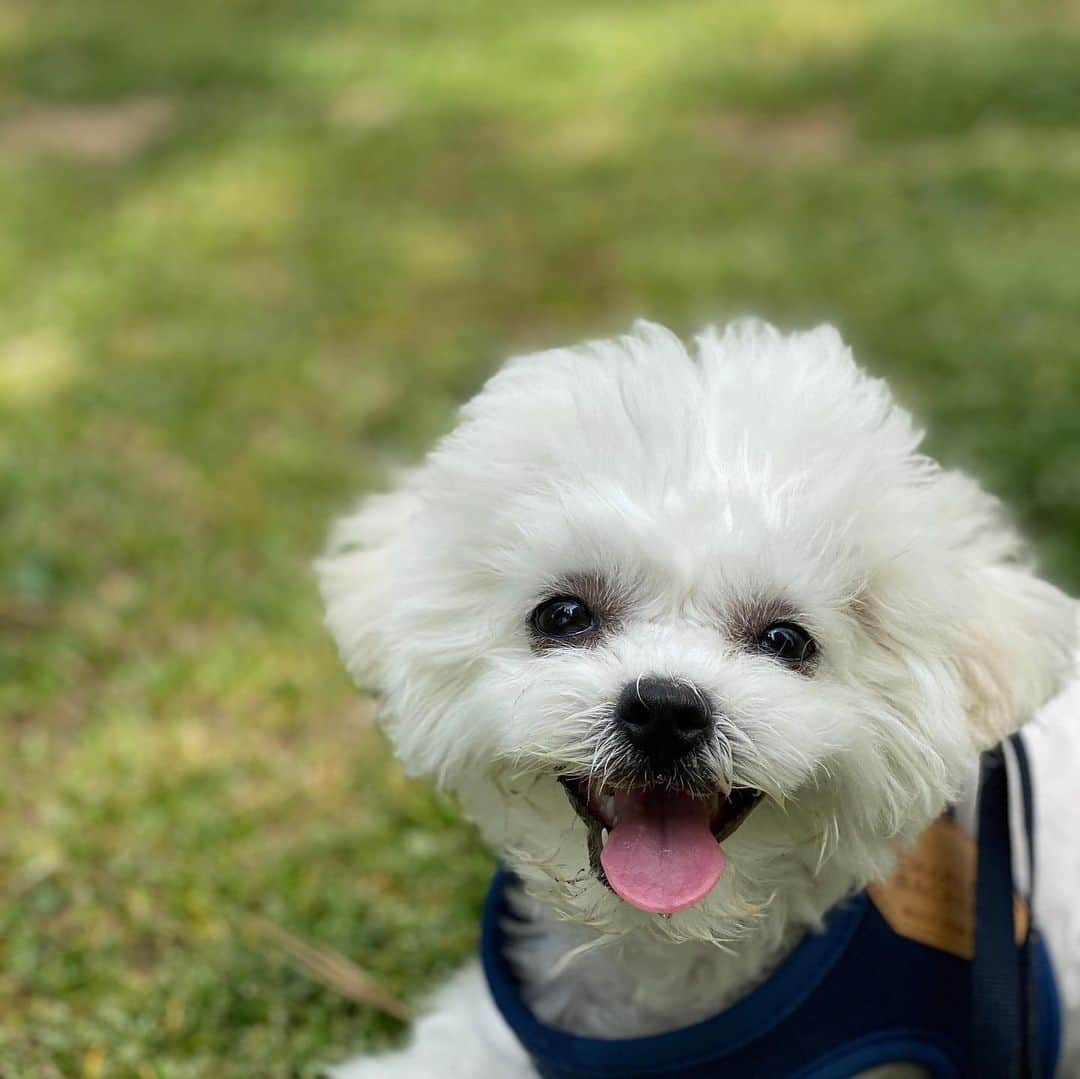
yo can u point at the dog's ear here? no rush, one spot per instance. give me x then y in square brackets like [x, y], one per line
[1015, 649]
[354, 576]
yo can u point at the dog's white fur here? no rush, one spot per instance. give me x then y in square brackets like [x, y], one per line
[699, 487]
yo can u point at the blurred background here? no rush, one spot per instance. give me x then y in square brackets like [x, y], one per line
[254, 250]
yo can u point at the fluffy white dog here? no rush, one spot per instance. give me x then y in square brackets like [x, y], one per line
[699, 639]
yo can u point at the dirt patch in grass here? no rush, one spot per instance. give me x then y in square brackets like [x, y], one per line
[109, 133]
[819, 135]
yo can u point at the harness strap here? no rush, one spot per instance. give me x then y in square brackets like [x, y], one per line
[1003, 1021]
[1027, 950]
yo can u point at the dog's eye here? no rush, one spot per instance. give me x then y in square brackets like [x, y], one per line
[788, 642]
[563, 616]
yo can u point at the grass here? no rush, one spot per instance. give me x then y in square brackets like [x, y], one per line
[253, 251]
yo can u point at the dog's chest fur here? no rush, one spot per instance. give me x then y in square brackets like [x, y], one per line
[635, 985]
[640, 987]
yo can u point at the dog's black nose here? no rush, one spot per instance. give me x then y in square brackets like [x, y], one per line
[662, 718]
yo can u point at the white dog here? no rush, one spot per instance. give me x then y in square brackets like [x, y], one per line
[699, 639]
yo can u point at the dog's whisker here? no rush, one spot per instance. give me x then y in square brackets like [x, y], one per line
[558, 968]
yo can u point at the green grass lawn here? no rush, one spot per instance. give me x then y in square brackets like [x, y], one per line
[254, 251]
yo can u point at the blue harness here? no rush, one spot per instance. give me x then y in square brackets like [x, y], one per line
[853, 997]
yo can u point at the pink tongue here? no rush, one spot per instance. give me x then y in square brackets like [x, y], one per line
[661, 856]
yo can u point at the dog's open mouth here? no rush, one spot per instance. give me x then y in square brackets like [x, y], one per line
[656, 848]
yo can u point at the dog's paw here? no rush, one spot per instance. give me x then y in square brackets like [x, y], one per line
[402, 1065]
[362, 1068]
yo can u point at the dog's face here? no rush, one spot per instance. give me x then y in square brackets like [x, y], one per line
[686, 634]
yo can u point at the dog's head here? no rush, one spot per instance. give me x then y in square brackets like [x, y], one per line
[685, 632]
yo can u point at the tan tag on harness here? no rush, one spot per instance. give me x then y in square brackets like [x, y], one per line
[930, 898]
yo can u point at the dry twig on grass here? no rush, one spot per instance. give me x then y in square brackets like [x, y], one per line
[331, 969]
